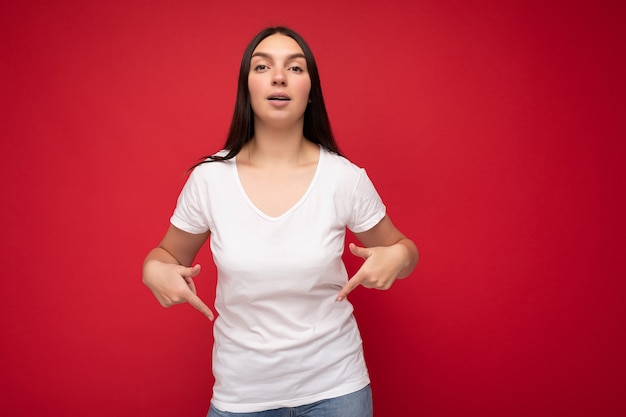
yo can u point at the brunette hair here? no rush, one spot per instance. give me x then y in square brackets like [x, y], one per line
[316, 124]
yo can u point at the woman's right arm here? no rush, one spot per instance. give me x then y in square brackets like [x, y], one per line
[167, 271]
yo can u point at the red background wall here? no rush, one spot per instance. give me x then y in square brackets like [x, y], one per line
[494, 133]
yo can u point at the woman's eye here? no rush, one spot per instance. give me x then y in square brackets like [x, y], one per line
[296, 69]
[260, 67]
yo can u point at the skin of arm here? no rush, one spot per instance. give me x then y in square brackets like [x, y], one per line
[168, 273]
[388, 255]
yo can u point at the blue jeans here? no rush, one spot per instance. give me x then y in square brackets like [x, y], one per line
[357, 404]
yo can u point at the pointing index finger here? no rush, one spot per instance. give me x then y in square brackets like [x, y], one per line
[199, 305]
[351, 285]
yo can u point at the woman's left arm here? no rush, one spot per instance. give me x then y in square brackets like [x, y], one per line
[388, 255]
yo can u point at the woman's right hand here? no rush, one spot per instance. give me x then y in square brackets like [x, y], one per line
[173, 284]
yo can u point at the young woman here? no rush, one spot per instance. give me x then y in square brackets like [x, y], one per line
[275, 204]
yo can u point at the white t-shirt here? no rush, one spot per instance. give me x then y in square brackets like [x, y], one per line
[281, 339]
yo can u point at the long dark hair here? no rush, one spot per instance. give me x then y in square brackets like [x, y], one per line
[316, 124]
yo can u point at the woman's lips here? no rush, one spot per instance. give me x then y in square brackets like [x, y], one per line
[279, 99]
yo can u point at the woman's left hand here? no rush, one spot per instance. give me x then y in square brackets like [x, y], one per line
[382, 266]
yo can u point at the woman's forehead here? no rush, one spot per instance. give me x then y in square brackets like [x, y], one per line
[278, 44]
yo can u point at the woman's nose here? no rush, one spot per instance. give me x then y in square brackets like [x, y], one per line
[279, 77]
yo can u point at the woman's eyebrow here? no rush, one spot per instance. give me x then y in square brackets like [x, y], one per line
[269, 56]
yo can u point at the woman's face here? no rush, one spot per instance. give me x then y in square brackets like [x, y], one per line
[279, 82]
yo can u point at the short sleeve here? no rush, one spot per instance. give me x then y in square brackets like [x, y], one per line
[368, 208]
[191, 210]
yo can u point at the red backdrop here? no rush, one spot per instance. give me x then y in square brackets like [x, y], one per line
[492, 132]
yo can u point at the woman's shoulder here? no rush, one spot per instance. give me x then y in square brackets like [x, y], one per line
[212, 165]
[340, 173]
[340, 163]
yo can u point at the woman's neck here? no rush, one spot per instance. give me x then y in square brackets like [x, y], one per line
[272, 147]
